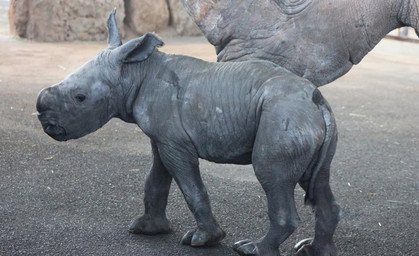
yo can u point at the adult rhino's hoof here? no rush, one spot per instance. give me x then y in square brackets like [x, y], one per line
[148, 225]
[250, 248]
[305, 248]
[199, 237]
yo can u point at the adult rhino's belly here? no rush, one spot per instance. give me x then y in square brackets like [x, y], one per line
[318, 62]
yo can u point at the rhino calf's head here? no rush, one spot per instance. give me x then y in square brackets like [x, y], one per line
[96, 92]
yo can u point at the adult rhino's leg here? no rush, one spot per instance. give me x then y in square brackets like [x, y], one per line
[278, 172]
[157, 186]
[326, 211]
[184, 167]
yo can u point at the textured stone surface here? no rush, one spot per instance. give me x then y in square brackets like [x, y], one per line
[144, 16]
[18, 17]
[64, 20]
[61, 20]
[181, 21]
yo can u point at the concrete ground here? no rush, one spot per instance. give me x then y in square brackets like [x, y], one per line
[78, 197]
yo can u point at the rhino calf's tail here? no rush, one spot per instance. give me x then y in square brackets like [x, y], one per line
[327, 149]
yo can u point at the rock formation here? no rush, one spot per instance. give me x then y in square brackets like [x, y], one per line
[181, 21]
[144, 16]
[64, 20]
[61, 20]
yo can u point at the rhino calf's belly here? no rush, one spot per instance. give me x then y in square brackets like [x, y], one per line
[224, 143]
[218, 153]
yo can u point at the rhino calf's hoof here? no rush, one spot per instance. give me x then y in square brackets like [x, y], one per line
[303, 243]
[199, 237]
[305, 248]
[148, 225]
[246, 247]
[253, 248]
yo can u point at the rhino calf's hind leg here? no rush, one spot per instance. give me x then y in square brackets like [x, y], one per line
[278, 171]
[326, 212]
[282, 212]
[327, 217]
[157, 186]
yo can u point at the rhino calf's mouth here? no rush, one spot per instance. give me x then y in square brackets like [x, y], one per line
[52, 128]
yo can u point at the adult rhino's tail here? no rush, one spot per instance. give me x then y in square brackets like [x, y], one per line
[328, 147]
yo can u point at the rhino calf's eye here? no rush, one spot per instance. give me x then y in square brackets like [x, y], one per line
[80, 97]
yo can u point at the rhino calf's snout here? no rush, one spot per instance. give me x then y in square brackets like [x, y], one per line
[44, 101]
[45, 105]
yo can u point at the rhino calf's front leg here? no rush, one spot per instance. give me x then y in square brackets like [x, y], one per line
[157, 186]
[184, 167]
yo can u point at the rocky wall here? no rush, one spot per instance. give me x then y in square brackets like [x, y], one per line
[68, 20]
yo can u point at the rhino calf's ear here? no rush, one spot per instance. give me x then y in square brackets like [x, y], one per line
[143, 48]
[114, 39]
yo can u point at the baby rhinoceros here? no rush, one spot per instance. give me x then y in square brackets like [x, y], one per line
[240, 113]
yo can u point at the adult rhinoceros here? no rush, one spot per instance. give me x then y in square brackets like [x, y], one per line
[316, 39]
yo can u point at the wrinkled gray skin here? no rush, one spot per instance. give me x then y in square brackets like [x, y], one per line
[319, 40]
[241, 113]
